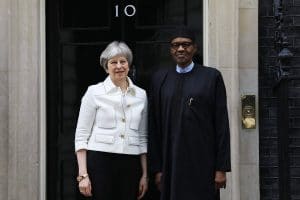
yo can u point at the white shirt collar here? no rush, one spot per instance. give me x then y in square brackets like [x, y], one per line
[185, 69]
[110, 87]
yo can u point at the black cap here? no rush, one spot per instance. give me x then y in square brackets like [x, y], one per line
[183, 32]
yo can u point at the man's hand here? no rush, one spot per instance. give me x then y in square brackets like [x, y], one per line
[157, 180]
[220, 179]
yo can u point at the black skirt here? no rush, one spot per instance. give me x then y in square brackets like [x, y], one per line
[113, 176]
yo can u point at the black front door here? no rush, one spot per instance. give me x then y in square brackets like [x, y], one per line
[77, 32]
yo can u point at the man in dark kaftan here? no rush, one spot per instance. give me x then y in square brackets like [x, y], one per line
[189, 142]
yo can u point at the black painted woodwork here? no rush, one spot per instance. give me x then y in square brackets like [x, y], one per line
[76, 33]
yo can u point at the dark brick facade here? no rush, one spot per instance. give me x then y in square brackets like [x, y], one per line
[269, 101]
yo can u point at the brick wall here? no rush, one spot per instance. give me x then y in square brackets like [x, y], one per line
[268, 100]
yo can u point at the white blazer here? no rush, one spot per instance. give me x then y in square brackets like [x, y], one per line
[112, 121]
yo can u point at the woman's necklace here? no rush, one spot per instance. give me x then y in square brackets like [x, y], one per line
[124, 86]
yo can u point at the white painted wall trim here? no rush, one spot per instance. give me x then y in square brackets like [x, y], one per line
[205, 31]
[220, 49]
[42, 103]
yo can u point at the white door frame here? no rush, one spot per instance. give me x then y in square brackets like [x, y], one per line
[42, 86]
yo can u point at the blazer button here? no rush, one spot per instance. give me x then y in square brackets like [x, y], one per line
[123, 119]
[128, 105]
[122, 136]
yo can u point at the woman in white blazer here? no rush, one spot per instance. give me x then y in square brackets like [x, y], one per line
[111, 133]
